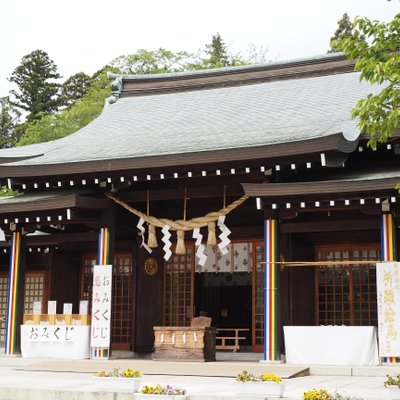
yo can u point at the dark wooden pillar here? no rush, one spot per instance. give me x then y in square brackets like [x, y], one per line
[148, 300]
[15, 303]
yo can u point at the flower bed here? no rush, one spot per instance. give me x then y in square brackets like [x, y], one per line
[392, 383]
[322, 394]
[262, 385]
[161, 392]
[127, 380]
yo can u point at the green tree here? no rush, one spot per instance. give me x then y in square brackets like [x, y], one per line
[217, 52]
[377, 57]
[70, 120]
[152, 61]
[343, 31]
[218, 55]
[9, 120]
[74, 88]
[37, 93]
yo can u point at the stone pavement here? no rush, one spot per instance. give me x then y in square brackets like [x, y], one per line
[31, 379]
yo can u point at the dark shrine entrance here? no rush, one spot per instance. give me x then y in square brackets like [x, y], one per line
[227, 298]
[228, 288]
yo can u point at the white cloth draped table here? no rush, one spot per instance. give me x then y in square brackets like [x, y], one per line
[331, 345]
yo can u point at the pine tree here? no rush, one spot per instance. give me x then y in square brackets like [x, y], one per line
[217, 53]
[38, 93]
[9, 119]
[343, 31]
[74, 88]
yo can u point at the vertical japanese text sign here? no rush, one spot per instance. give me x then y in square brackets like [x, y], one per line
[388, 292]
[101, 306]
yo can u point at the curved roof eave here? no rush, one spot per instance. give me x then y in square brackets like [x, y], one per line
[332, 143]
[194, 127]
[366, 182]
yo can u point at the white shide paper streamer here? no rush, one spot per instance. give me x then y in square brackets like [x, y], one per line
[167, 242]
[142, 230]
[225, 232]
[200, 252]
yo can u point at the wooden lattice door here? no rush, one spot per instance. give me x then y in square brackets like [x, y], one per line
[258, 298]
[179, 289]
[346, 294]
[122, 297]
[35, 290]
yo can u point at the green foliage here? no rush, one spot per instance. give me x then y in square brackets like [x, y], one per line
[215, 55]
[83, 97]
[378, 59]
[37, 92]
[152, 61]
[218, 55]
[56, 126]
[343, 31]
[74, 88]
[392, 380]
[9, 119]
[6, 192]
[217, 52]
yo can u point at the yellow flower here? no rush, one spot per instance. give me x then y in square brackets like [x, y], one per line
[131, 373]
[271, 378]
[316, 394]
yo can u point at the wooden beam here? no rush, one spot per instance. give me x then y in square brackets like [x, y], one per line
[60, 238]
[329, 226]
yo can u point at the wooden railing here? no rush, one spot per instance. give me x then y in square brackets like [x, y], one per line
[231, 340]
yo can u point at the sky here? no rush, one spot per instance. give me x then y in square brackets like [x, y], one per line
[85, 35]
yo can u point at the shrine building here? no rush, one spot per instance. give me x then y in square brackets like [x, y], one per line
[272, 148]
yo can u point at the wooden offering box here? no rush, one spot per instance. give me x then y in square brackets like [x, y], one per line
[184, 343]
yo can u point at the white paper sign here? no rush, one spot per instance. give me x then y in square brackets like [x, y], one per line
[67, 309]
[101, 306]
[388, 292]
[83, 307]
[52, 307]
[37, 307]
[51, 333]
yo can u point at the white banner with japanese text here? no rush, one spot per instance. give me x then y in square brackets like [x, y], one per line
[50, 333]
[388, 293]
[100, 333]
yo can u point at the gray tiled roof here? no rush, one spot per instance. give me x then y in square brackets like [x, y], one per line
[206, 120]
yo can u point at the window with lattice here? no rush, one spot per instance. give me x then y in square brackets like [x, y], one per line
[346, 293]
[178, 289]
[35, 290]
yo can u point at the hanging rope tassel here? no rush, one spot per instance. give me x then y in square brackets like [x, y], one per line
[152, 239]
[212, 237]
[180, 249]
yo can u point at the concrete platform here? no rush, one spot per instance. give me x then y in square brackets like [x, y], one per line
[32, 379]
[181, 368]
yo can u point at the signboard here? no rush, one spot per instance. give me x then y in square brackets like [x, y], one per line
[51, 333]
[100, 333]
[388, 293]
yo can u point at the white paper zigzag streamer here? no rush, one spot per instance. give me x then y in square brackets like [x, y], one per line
[141, 233]
[200, 252]
[225, 232]
[167, 242]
